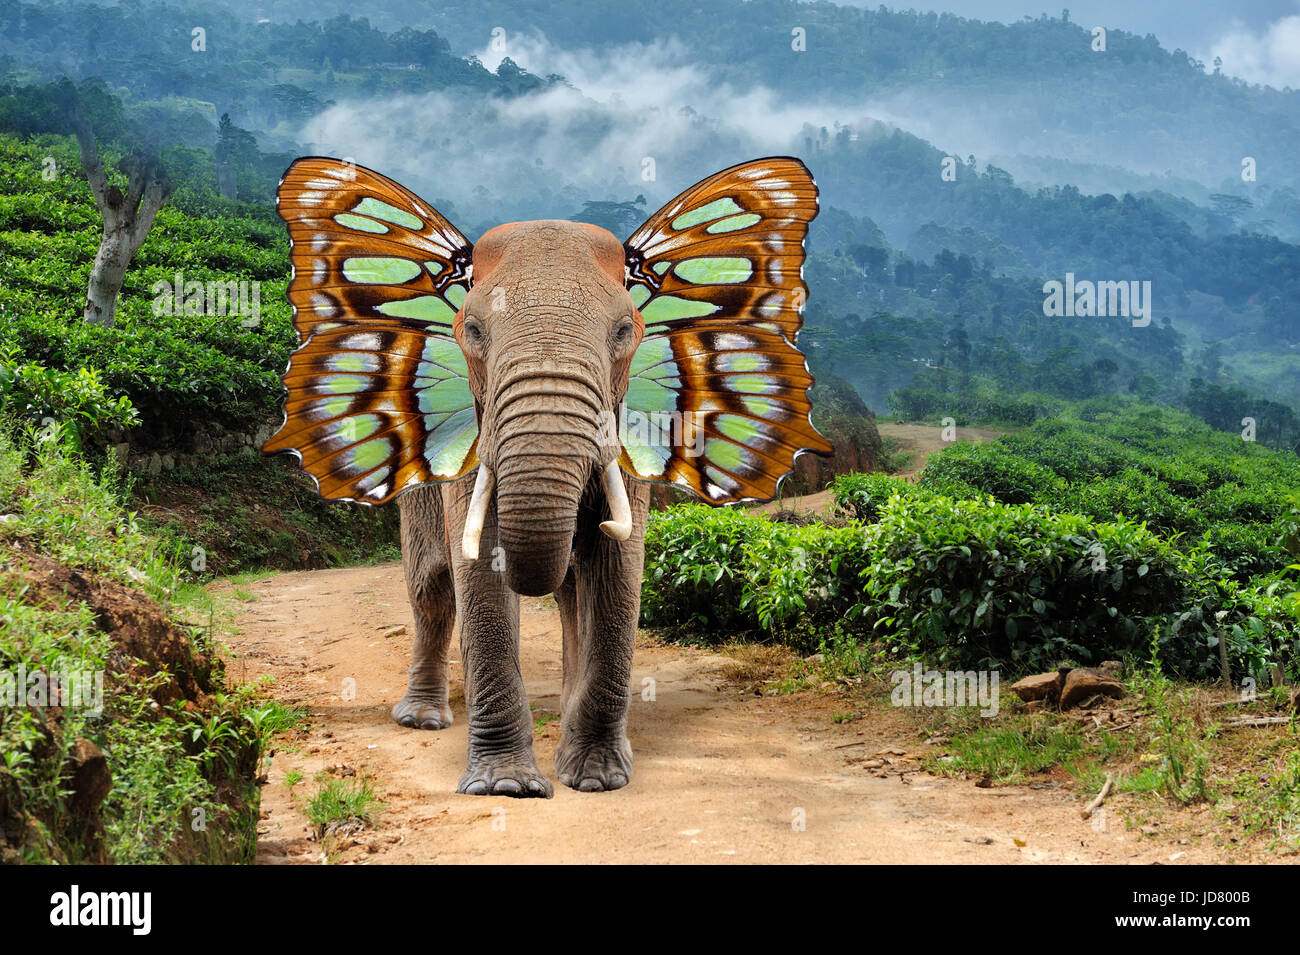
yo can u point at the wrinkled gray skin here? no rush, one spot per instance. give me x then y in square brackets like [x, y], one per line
[548, 330]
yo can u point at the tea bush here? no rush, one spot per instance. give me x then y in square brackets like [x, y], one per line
[76, 401]
[695, 567]
[979, 583]
[176, 369]
[861, 496]
[972, 583]
[1162, 467]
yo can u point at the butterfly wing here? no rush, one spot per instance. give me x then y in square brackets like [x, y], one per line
[718, 396]
[379, 399]
[365, 249]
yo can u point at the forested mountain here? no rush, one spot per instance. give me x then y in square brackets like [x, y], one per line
[928, 264]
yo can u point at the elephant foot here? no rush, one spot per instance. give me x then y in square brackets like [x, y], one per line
[593, 767]
[514, 778]
[424, 711]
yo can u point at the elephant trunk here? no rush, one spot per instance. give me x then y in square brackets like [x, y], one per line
[547, 450]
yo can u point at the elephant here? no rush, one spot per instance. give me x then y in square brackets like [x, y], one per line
[517, 397]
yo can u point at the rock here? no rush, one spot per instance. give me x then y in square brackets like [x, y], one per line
[1112, 668]
[91, 779]
[1041, 686]
[154, 467]
[1082, 684]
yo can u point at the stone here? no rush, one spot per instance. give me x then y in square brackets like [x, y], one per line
[1041, 686]
[1082, 684]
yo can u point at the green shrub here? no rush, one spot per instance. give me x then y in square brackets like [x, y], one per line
[861, 496]
[695, 566]
[177, 370]
[801, 578]
[971, 583]
[1010, 479]
[75, 401]
[1185, 481]
[988, 584]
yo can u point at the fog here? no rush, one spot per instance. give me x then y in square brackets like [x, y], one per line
[630, 121]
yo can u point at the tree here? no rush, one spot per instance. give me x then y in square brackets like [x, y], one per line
[236, 149]
[128, 214]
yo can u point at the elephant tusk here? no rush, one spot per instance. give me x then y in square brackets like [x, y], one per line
[478, 506]
[619, 525]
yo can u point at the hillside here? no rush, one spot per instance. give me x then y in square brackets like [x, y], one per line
[915, 276]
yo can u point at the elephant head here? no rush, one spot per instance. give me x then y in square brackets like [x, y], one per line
[548, 331]
[549, 355]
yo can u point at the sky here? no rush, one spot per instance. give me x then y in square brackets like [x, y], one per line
[1258, 40]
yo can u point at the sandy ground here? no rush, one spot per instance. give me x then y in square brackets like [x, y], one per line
[923, 440]
[721, 774]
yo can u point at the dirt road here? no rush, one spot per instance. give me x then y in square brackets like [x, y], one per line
[721, 774]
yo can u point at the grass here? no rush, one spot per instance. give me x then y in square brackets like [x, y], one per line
[1177, 754]
[340, 805]
[893, 459]
[1168, 750]
[182, 769]
[1265, 798]
[1179, 743]
[1012, 751]
[250, 514]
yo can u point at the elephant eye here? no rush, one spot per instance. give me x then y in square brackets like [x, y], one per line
[624, 332]
[473, 330]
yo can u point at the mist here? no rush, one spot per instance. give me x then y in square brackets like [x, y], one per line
[635, 120]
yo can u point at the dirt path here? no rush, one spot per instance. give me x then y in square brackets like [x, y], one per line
[721, 774]
[923, 440]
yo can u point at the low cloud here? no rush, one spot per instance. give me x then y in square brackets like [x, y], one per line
[625, 113]
[1270, 56]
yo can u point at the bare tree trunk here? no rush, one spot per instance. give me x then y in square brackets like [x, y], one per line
[127, 219]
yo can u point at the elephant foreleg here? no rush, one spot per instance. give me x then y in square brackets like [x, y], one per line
[433, 602]
[599, 602]
[501, 760]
